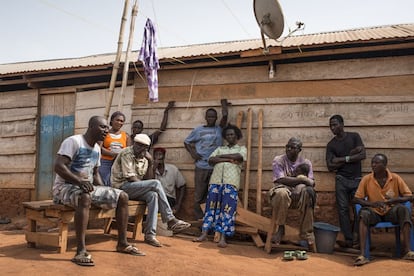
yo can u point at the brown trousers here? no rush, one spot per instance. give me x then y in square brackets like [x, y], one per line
[283, 198]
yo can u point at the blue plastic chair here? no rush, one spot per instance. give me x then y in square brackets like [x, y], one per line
[397, 231]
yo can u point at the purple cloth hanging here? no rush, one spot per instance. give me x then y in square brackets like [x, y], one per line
[148, 57]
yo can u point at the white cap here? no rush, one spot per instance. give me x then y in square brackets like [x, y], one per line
[143, 139]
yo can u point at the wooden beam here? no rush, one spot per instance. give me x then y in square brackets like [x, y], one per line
[247, 168]
[259, 52]
[259, 163]
[300, 53]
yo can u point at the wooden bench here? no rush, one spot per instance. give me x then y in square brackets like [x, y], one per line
[47, 213]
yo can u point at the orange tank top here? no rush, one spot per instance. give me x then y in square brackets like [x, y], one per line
[114, 143]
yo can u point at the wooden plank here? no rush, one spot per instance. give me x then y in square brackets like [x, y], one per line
[83, 116]
[39, 217]
[248, 218]
[17, 163]
[248, 162]
[26, 144]
[399, 159]
[17, 114]
[39, 204]
[325, 181]
[19, 180]
[380, 86]
[338, 69]
[375, 137]
[259, 162]
[259, 52]
[56, 90]
[18, 99]
[68, 76]
[50, 239]
[78, 87]
[246, 229]
[292, 52]
[97, 98]
[312, 113]
[257, 240]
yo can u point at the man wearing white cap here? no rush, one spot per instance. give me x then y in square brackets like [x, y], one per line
[133, 172]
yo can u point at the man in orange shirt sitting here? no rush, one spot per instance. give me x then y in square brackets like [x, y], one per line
[380, 194]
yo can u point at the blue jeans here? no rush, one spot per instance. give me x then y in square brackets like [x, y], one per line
[153, 194]
[345, 190]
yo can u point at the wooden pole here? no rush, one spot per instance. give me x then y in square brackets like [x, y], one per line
[259, 163]
[249, 146]
[117, 60]
[134, 13]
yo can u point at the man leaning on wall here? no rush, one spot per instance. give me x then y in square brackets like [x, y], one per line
[344, 154]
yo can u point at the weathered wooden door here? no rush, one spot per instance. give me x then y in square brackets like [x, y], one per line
[57, 122]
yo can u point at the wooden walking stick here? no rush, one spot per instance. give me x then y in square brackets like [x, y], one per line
[249, 146]
[259, 163]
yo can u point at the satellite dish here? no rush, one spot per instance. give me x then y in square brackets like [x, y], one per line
[269, 16]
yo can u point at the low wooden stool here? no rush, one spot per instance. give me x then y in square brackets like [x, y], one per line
[136, 209]
[47, 213]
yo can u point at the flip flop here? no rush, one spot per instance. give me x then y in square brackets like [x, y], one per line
[179, 226]
[83, 259]
[153, 241]
[361, 260]
[288, 255]
[409, 256]
[301, 255]
[131, 250]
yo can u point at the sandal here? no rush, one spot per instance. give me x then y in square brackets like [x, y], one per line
[83, 259]
[131, 250]
[409, 256]
[288, 255]
[179, 226]
[152, 241]
[361, 260]
[301, 255]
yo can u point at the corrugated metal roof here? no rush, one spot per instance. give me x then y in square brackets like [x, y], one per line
[180, 52]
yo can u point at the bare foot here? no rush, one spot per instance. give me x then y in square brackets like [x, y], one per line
[222, 242]
[202, 237]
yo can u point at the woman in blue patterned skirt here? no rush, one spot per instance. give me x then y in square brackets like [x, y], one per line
[224, 184]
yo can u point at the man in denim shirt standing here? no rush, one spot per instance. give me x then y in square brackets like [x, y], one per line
[344, 154]
[201, 142]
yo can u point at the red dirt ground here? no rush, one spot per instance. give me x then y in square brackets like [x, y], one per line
[180, 256]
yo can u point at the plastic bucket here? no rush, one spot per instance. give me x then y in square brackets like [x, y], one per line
[325, 237]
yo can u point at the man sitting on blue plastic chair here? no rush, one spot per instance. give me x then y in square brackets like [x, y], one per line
[381, 193]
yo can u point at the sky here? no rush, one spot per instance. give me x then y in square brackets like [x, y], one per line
[35, 30]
